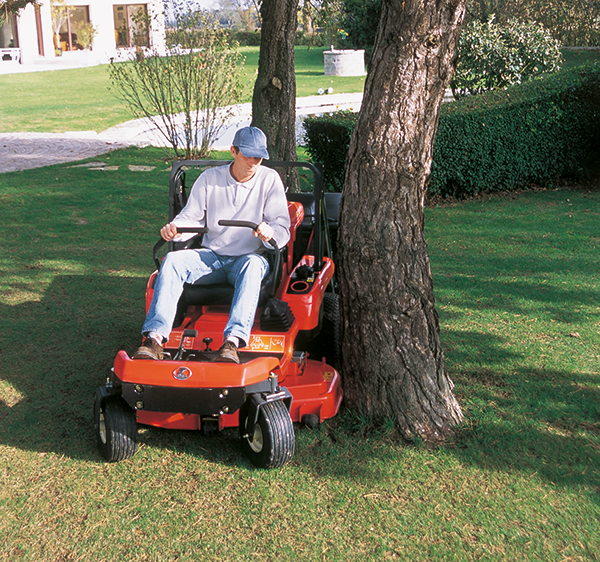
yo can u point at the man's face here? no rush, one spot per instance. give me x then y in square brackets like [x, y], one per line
[244, 167]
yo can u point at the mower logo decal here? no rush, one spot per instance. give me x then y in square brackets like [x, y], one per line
[182, 373]
[274, 344]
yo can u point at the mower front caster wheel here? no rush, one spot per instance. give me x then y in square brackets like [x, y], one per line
[272, 442]
[115, 425]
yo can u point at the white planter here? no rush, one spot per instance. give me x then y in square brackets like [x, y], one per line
[345, 62]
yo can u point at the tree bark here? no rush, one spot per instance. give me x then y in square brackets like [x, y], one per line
[393, 363]
[274, 96]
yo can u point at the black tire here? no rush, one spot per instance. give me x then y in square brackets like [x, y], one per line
[115, 425]
[311, 421]
[273, 441]
[330, 333]
[327, 345]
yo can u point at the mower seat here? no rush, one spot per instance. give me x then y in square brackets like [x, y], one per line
[222, 293]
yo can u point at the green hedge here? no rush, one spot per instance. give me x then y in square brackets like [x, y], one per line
[532, 133]
[328, 139]
[252, 38]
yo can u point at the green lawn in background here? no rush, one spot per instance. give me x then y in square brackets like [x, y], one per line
[82, 99]
[516, 283]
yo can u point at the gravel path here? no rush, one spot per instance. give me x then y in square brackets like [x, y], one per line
[22, 151]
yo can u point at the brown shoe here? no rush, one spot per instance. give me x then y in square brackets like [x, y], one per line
[228, 353]
[150, 349]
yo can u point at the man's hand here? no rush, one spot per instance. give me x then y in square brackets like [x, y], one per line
[264, 232]
[169, 232]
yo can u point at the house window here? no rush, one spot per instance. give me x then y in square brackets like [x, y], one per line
[67, 22]
[131, 25]
[8, 33]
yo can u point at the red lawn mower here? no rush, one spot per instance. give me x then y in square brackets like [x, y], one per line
[287, 372]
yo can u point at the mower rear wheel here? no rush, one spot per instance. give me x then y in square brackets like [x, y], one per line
[331, 330]
[116, 427]
[327, 345]
[272, 442]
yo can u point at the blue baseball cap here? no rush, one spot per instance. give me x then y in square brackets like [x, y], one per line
[252, 142]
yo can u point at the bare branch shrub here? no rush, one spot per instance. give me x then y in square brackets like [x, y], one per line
[186, 93]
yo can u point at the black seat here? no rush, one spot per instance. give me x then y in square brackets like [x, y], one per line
[222, 293]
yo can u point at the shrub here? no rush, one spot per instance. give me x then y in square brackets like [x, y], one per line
[315, 39]
[328, 141]
[531, 133]
[492, 55]
[243, 37]
[361, 20]
[186, 93]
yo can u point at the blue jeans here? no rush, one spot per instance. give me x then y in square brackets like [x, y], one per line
[204, 267]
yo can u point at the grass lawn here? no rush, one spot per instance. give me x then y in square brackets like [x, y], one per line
[516, 282]
[82, 99]
[577, 57]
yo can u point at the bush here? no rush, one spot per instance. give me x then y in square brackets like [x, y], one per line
[187, 93]
[361, 20]
[243, 38]
[328, 141]
[492, 55]
[574, 23]
[531, 133]
[316, 39]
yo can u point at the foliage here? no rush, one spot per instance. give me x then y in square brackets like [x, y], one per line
[571, 22]
[185, 94]
[361, 19]
[328, 138]
[85, 34]
[242, 15]
[493, 55]
[311, 39]
[242, 37]
[12, 7]
[60, 14]
[531, 133]
[329, 17]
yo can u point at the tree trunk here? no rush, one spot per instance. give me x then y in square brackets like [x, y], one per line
[393, 364]
[274, 97]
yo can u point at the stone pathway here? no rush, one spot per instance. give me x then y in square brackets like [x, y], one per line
[22, 151]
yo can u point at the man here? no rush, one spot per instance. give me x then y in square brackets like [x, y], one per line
[242, 190]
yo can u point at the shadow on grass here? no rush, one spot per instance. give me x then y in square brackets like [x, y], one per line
[527, 418]
[55, 353]
[310, 73]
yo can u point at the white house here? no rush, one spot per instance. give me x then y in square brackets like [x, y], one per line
[31, 37]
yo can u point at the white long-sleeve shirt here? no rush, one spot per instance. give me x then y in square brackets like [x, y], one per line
[216, 195]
